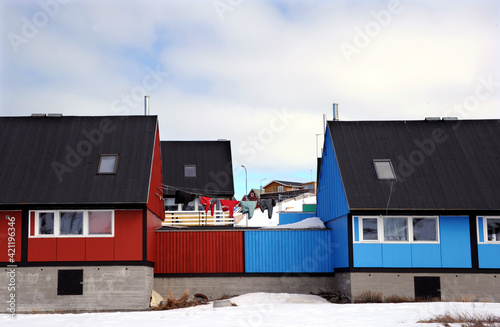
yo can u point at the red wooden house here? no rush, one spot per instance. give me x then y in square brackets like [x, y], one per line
[80, 199]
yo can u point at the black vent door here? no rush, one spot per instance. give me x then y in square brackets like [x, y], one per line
[70, 282]
[427, 288]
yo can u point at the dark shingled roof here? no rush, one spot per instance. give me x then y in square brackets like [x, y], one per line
[439, 164]
[54, 160]
[214, 168]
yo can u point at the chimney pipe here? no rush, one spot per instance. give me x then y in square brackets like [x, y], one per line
[335, 111]
[146, 105]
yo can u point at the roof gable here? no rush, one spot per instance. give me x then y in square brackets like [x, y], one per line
[214, 169]
[54, 160]
[438, 164]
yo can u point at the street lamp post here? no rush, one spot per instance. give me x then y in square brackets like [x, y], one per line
[261, 185]
[246, 180]
[246, 185]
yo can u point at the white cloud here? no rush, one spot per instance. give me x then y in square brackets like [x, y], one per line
[226, 76]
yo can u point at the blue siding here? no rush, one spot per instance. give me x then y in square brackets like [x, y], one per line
[480, 229]
[453, 251]
[340, 240]
[489, 255]
[455, 242]
[293, 217]
[332, 202]
[288, 251]
[426, 255]
[356, 229]
[367, 255]
[396, 255]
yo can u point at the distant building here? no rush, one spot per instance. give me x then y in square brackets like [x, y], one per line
[201, 168]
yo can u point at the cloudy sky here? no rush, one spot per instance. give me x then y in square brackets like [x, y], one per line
[259, 73]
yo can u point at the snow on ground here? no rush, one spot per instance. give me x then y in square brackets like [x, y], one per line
[262, 309]
[308, 223]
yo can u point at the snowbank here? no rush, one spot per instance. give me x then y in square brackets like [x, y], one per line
[263, 309]
[309, 223]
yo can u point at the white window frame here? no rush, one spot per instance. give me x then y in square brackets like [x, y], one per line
[57, 225]
[380, 230]
[485, 230]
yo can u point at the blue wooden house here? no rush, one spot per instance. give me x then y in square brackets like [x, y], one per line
[414, 206]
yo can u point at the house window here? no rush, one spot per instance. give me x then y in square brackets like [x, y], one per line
[398, 229]
[46, 223]
[493, 229]
[64, 223]
[369, 228]
[107, 164]
[280, 188]
[384, 169]
[189, 170]
[170, 205]
[100, 222]
[424, 229]
[71, 223]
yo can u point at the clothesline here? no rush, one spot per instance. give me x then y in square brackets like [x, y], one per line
[182, 197]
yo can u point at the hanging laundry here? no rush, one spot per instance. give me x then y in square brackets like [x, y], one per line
[184, 198]
[209, 204]
[230, 206]
[267, 204]
[248, 207]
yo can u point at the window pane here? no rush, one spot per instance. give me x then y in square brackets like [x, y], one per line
[46, 223]
[370, 230]
[72, 223]
[189, 171]
[424, 229]
[396, 229]
[170, 205]
[384, 169]
[107, 165]
[493, 229]
[100, 222]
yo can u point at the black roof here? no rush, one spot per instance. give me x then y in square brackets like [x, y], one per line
[439, 164]
[54, 160]
[214, 168]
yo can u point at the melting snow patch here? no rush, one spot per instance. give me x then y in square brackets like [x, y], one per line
[309, 223]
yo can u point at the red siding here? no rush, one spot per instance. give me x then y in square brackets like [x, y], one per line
[71, 249]
[199, 252]
[15, 247]
[128, 235]
[100, 249]
[42, 249]
[155, 202]
[32, 224]
[153, 224]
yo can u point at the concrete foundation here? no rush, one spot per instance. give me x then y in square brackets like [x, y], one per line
[454, 287]
[217, 287]
[104, 288]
